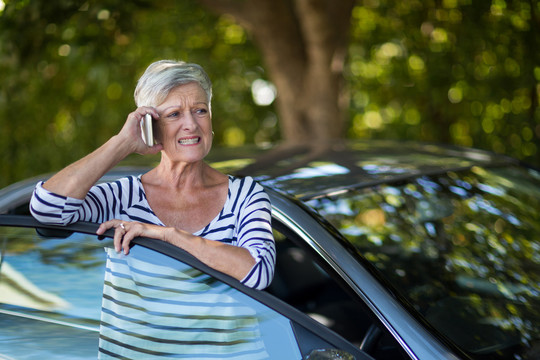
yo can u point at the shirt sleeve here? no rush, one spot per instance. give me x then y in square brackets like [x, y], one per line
[103, 202]
[50, 208]
[255, 234]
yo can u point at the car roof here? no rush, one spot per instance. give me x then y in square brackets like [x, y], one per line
[309, 171]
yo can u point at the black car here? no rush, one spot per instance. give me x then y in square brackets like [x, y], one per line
[385, 250]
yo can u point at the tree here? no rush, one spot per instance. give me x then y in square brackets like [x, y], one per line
[303, 44]
[452, 71]
[68, 80]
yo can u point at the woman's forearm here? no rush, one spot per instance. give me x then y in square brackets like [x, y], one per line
[232, 260]
[76, 179]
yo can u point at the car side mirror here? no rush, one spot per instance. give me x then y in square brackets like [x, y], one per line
[329, 354]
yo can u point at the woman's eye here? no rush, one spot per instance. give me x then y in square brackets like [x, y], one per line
[201, 111]
[173, 114]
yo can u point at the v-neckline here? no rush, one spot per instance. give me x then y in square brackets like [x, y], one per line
[200, 231]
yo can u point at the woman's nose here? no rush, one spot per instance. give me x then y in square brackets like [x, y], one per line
[189, 122]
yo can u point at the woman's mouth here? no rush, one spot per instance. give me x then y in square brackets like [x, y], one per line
[189, 141]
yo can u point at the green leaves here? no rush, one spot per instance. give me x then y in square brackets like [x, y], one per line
[69, 70]
[454, 71]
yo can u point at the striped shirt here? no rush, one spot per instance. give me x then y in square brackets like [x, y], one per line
[155, 307]
[244, 221]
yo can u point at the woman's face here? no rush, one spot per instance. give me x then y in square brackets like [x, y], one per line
[185, 124]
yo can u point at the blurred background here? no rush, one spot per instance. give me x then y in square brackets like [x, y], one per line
[451, 71]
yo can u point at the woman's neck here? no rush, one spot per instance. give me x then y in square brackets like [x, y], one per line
[184, 175]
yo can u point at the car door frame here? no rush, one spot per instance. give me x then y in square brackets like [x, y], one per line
[300, 321]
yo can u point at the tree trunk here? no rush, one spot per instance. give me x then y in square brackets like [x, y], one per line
[303, 43]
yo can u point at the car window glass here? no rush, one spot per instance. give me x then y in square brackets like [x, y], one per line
[301, 282]
[63, 276]
[462, 247]
[56, 276]
[150, 297]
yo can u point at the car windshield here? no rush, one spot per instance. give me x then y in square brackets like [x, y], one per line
[463, 248]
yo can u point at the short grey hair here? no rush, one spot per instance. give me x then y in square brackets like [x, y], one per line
[163, 76]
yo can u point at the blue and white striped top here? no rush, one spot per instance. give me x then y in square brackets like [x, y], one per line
[244, 221]
[155, 307]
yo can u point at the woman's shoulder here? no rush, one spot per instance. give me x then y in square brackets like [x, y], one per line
[242, 181]
[244, 186]
[128, 181]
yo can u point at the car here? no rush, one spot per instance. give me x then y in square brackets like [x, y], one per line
[385, 250]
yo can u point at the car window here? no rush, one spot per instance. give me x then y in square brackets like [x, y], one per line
[180, 305]
[63, 275]
[235, 320]
[50, 294]
[463, 248]
[303, 281]
[58, 275]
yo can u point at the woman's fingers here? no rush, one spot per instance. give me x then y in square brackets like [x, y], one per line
[143, 110]
[119, 238]
[132, 129]
[126, 231]
[122, 234]
[107, 225]
[129, 232]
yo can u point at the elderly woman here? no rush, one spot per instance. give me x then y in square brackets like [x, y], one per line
[221, 220]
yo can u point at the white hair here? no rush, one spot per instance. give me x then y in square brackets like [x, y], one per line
[163, 76]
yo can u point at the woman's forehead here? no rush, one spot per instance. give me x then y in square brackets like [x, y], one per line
[184, 95]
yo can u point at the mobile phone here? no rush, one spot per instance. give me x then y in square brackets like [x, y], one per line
[146, 130]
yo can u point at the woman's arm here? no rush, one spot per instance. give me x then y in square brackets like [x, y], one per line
[76, 179]
[251, 260]
[229, 259]
[64, 198]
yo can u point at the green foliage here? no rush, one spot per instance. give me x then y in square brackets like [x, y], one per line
[453, 71]
[68, 72]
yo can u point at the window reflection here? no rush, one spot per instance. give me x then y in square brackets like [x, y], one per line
[464, 248]
[153, 303]
[59, 275]
[316, 169]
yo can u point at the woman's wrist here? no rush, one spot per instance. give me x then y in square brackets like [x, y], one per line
[171, 235]
[122, 147]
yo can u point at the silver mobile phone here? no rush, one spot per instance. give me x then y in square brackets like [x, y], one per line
[146, 130]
